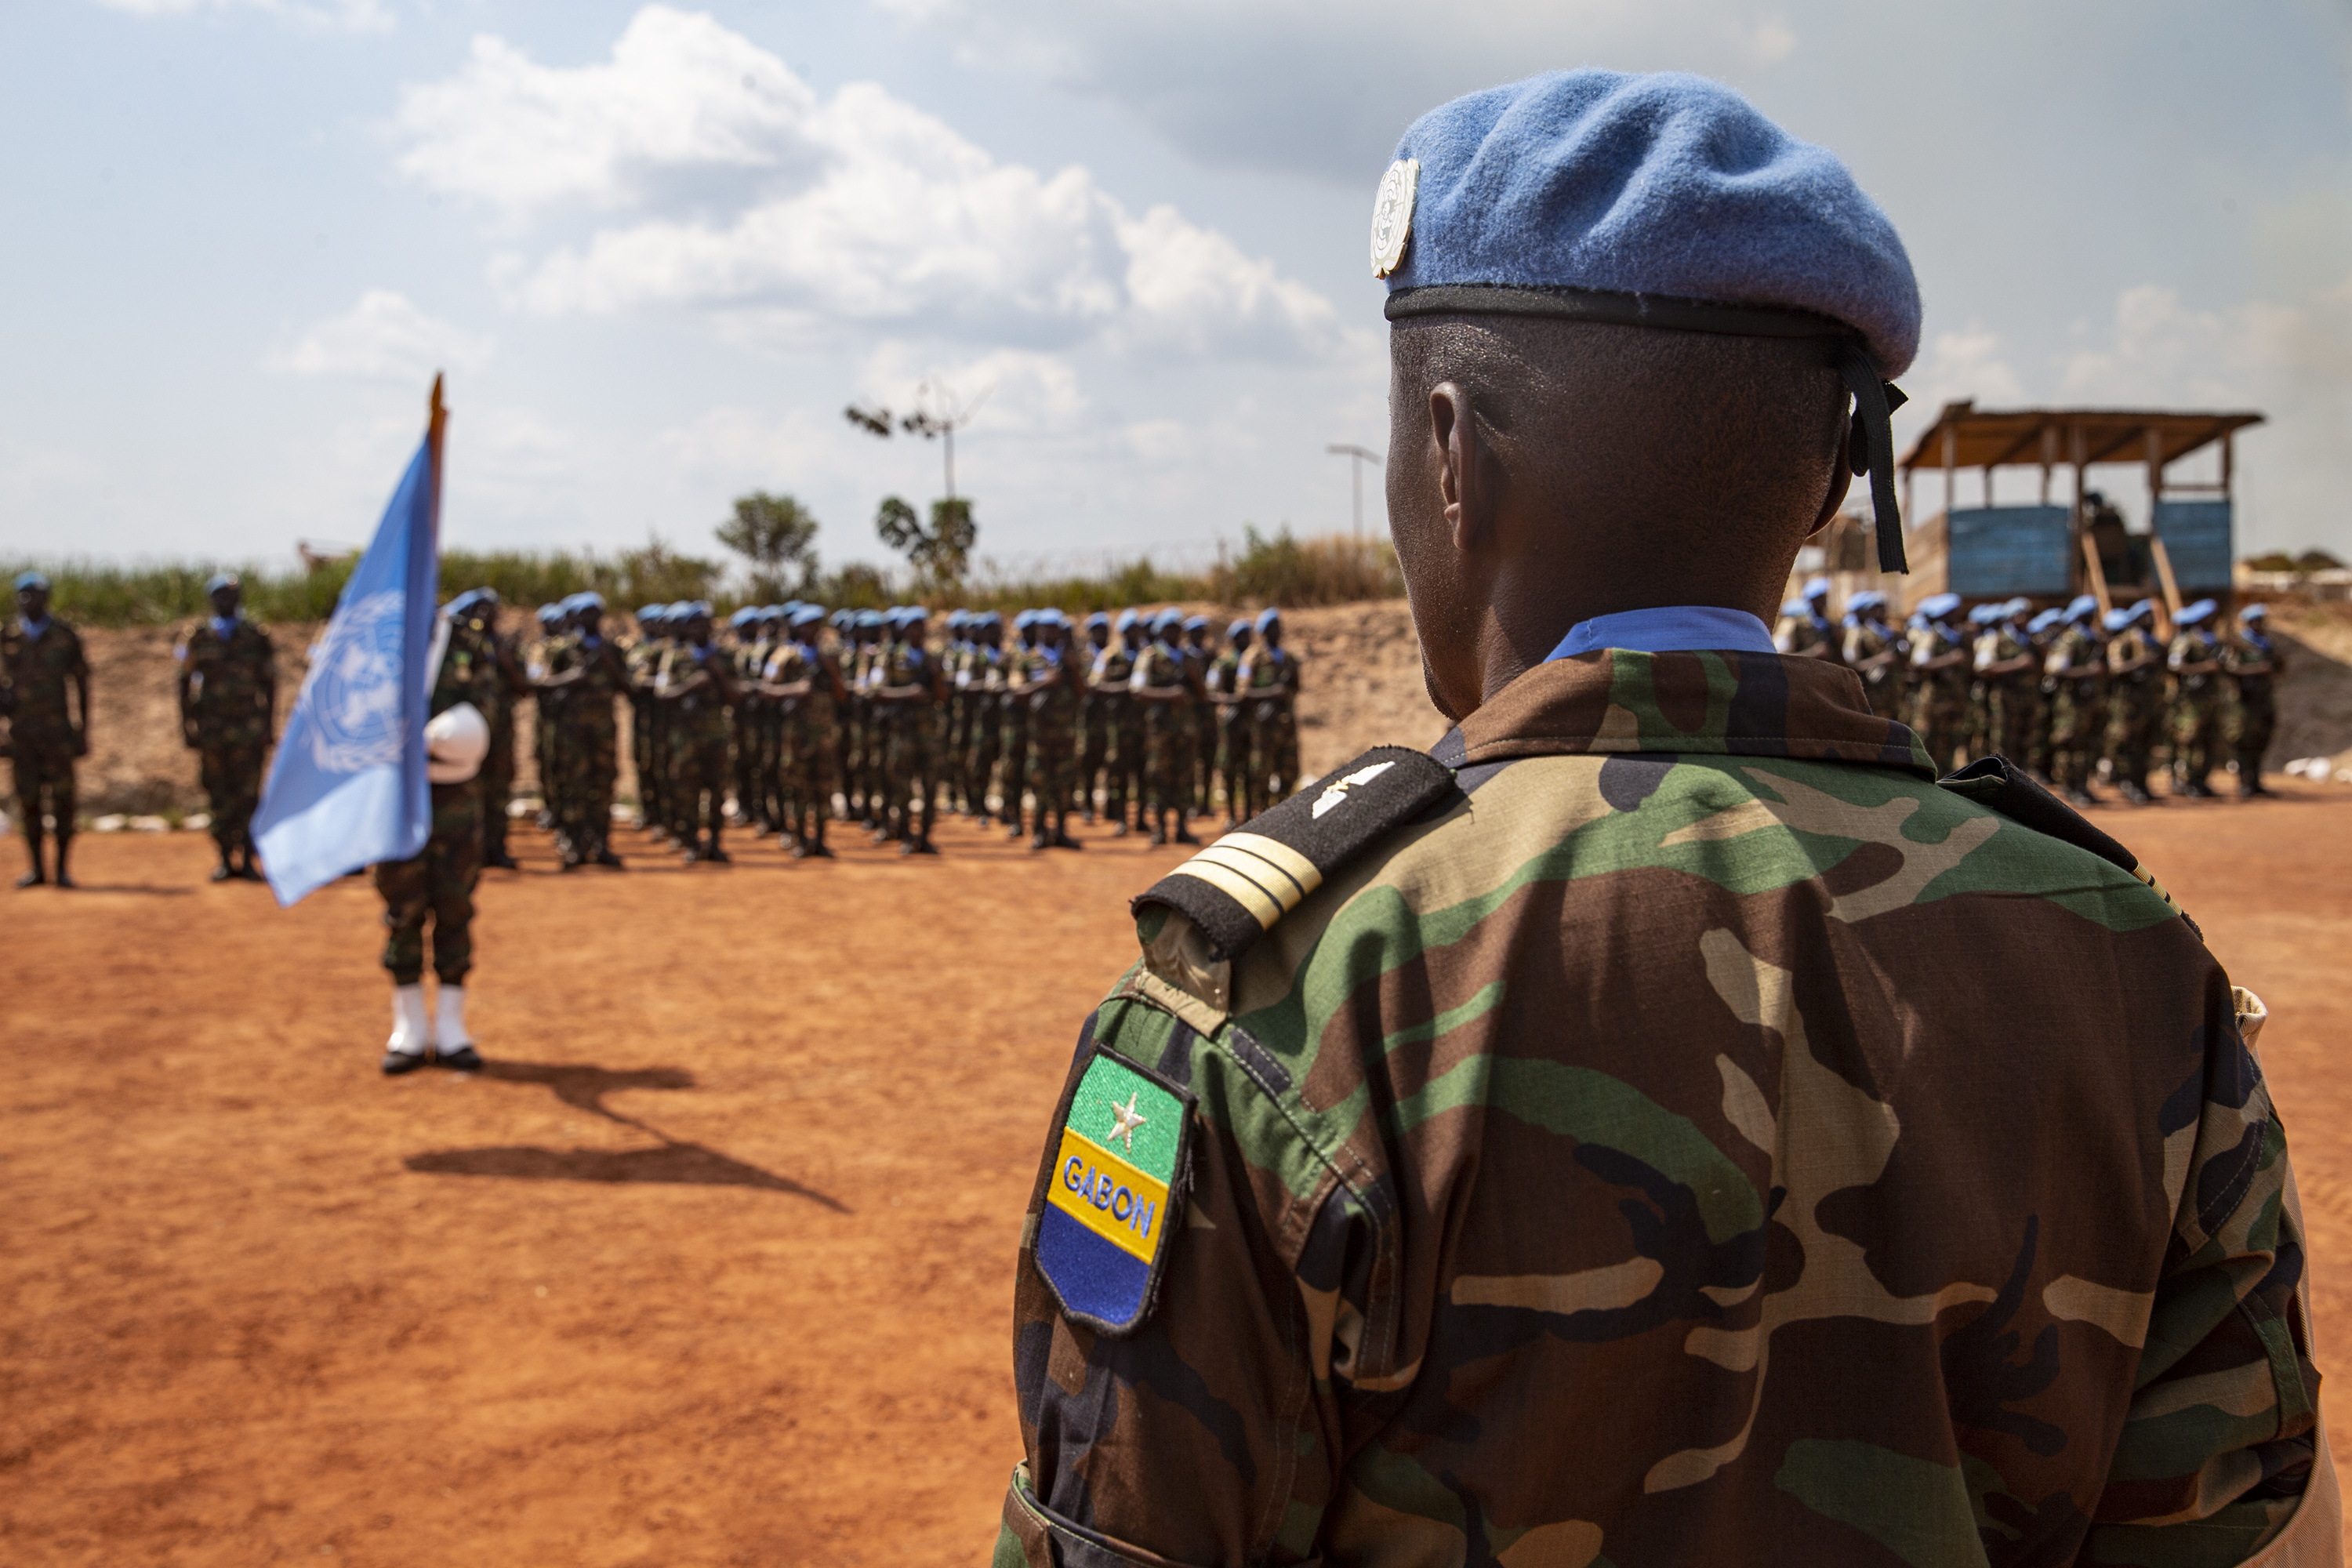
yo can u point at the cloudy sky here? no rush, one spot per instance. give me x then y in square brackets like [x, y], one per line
[657, 247]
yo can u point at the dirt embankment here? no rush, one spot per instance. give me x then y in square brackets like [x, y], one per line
[1362, 687]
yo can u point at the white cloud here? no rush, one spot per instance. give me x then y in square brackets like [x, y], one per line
[384, 337]
[859, 208]
[359, 15]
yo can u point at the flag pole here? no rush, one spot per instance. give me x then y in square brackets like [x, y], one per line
[436, 419]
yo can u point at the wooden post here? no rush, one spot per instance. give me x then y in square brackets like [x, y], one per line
[1951, 467]
[2226, 444]
[2163, 559]
[2048, 456]
[2093, 572]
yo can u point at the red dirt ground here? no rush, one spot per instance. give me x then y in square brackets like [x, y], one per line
[713, 1266]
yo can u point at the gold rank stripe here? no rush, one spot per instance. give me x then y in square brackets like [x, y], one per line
[1120, 1203]
[1265, 876]
[2142, 872]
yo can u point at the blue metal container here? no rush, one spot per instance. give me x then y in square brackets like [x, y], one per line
[1995, 551]
[2196, 535]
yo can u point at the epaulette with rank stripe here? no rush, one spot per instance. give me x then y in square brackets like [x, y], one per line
[1999, 785]
[1237, 888]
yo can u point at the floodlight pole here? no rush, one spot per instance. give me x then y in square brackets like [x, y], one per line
[1357, 458]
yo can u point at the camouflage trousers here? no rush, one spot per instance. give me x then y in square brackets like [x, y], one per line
[231, 774]
[1053, 774]
[2249, 728]
[1122, 766]
[1274, 752]
[588, 764]
[1234, 744]
[497, 777]
[812, 762]
[698, 782]
[1941, 724]
[910, 758]
[2008, 719]
[1014, 766]
[2075, 725]
[43, 770]
[2131, 730]
[1168, 756]
[2195, 724]
[436, 884]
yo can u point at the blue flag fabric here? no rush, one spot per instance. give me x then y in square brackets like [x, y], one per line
[348, 786]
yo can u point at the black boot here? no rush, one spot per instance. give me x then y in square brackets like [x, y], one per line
[62, 879]
[35, 877]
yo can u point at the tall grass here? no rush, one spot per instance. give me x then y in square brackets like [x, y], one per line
[1280, 570]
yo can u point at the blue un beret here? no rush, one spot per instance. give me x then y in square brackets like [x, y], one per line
[31, 580]
[1662, 201]
[219, 579]
[1661, 184]
[2196, 614]
[1238, 627]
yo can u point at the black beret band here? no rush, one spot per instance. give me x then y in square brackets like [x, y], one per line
[1663, 312]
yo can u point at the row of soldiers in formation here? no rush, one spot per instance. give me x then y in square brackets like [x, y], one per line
[808, 715]
[2060, 691]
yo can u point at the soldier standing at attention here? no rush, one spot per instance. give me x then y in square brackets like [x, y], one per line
[2040, 636]
[593, 677]
[907, 688]
[2135, 666]
[1939, 669]
[1224, 683]
[1871, 648]
[2076, 668]
[955, 667]
[1113, 671]
[2004, 664]
[1663, 1125]
[41, 662]
[805, 682]
[1200, 735]
[545, 658]
[2195, 661]
[1021, 666]
[1094, 716]
[1054, 685]
[745, 660]
[228, 707]
[1162, 691]
[987, 692]
[643, 657]
[436, 883]
[507, 693]
[2254, 664]
[696, 686]
[1270, 681]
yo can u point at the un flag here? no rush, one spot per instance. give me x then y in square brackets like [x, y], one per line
[348, 786]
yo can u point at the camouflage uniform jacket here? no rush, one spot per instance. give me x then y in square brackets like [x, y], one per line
[701, 712]
[1622, 1158]
[2195, 646]
[36, 671]
[1882, 683]
[228, 682]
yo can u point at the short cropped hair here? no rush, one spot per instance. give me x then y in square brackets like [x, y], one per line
[1717, 442]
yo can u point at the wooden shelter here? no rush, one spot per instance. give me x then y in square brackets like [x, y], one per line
[2053, 550]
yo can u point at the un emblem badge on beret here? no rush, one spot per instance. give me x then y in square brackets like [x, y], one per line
[1392, 214]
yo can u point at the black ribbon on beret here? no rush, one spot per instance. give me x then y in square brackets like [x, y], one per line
[1872, 447]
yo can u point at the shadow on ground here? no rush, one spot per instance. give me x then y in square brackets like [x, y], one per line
[583, 1088]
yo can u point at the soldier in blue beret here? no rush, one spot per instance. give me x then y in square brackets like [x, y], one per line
[42, 670]
[228, 681]
[2253, 663]
[1662, 1124]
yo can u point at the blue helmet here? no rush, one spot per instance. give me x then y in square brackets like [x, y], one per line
[1936, 606]
[1126, 619]
[988, 619]
[2044, 621]
[1796, 607]
[462, 602]
[1050, 616]
[1098, 620]
[25, 580]
[2196, 615]
[808, 616]
[1985, 613]
[2116, 619]
[1166, 621]
[1269, 617]
[1868, 599]
[550, 614]
[1816, 588]
[2079, 607]
[1237, 629]
[2254, 612]
[869, 618]
[219, 579]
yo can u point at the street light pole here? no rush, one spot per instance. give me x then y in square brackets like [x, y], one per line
[1357, 458]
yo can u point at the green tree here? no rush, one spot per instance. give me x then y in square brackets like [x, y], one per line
[940, 554]
[774, 534]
